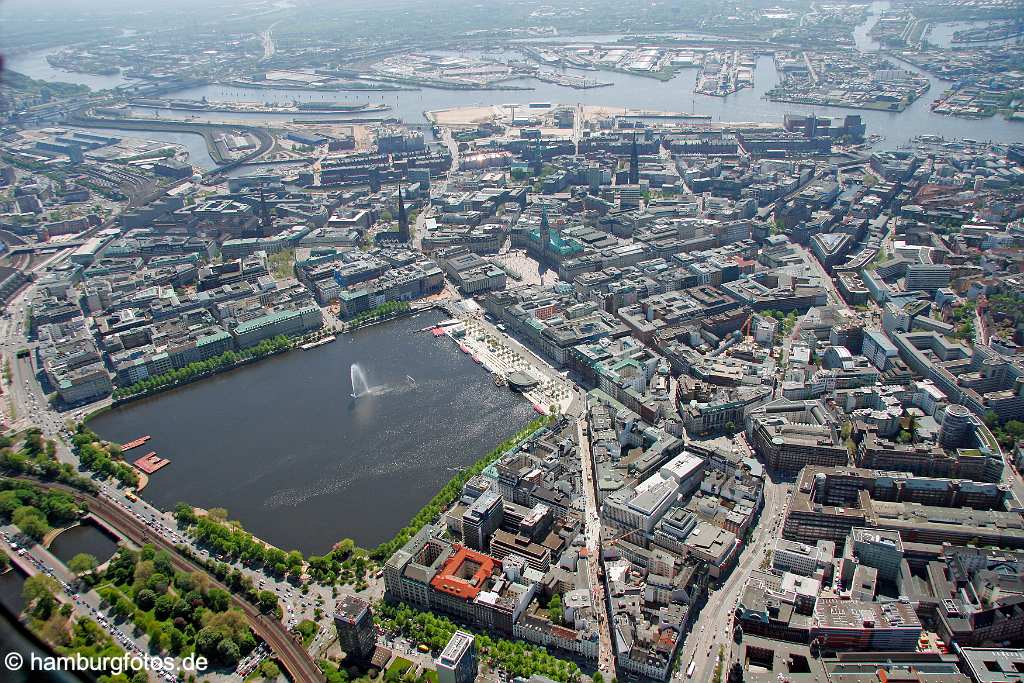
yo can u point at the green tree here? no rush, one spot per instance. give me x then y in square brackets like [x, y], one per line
[31, 521]
[145, 599]
[790, 322]
[207, 640]
[269, 669]
[38, 592]
[164, 606]
[122, 606]
[9, 502]
[556, 613]
[228, 652]
[218, 600]
[82, 563]
[1015, 428]
[184, 513]
[294, 562]
[267, 601]
[307, 630]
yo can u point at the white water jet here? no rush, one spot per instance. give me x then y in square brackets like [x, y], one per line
[358, 378]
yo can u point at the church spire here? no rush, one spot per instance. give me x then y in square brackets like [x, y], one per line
[264, 214]
[634, 164]
[403, 218]
[545, 230]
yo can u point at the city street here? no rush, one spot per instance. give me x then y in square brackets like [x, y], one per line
[26, 405]
[592, 524]
[282, 278]
[824, 278]
[714, 625]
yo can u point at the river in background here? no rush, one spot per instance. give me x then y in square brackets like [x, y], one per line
[285, 448]
[34, 65]
[627, 91]
[638, 92]
[941, 34]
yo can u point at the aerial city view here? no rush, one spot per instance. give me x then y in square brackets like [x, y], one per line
[512, 342]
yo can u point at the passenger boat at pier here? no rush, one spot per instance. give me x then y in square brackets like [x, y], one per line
[319, 342]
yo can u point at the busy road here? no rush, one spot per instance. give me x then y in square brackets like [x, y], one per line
[592, 526]
[713, 628]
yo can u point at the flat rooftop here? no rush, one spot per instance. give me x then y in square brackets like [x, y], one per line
[856, 615]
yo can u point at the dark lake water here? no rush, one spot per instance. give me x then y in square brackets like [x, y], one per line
[283, 446]
[84, 538]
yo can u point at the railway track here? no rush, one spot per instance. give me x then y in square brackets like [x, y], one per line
[291, 654]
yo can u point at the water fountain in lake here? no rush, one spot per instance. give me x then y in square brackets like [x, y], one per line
[359, 384]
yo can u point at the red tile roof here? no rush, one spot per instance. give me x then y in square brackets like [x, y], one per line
[448, 580]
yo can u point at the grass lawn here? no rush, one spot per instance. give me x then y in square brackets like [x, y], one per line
[307, 629]
[399, 668]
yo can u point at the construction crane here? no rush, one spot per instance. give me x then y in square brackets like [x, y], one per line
[745, 330]
[622, 536]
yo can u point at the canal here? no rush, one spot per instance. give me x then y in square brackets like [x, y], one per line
[283, 446]
[11, 583]
[14, 637]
